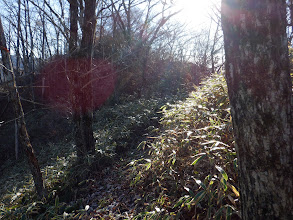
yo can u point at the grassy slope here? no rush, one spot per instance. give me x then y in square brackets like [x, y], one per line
[185, 167]
[192, 172]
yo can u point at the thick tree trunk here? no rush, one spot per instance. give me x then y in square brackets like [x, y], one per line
[260, 92]
[23, 135]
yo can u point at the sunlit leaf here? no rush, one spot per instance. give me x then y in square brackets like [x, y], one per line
[235, 164]
[224, 183]
[180, 201]
[189, 191]
[199, 182]
[198, 159]
[217, 148]
[189, 133]
[234, 189]
[142, 145]
[148, 166]
[224, 174]
[173, 161]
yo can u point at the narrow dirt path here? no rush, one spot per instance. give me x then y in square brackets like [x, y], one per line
[109, 194]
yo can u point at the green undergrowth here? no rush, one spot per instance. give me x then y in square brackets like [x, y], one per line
[18, 197]
[192, 169]
[183, 164]
[121, 127]
[117, 129]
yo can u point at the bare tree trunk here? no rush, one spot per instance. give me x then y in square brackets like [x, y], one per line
[16, 141]
[214, 51]
[73, 26]
[18, 37]
[82, 88]
[260, 92]
[86, 49]
[75, 76]
[43, 34]
[127, 10]
[16, 145]
[31, 56]
[31, 61]
[26, 41]
[23, 135]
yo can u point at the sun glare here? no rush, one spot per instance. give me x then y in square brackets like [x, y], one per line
[194, 13]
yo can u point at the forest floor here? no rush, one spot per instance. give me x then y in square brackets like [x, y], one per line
[102, 188]
[158, 158]
[109, 193]
[104, 194]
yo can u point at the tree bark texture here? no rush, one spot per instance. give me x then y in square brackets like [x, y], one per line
[73, 26]
[81, 80]
[75, 79]
[88, 28]
[4, 53]
[260, 92]
[19, 114]
[86, 49]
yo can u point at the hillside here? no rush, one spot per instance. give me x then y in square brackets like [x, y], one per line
[156, 158]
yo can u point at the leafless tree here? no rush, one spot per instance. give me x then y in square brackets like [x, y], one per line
[19, 115]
